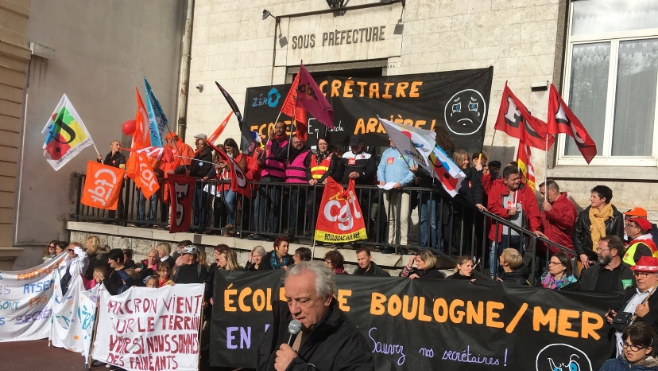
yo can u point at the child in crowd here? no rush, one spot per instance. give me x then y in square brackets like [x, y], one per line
[164, 276]
[99, 276]
[637, 354]
[152, 282]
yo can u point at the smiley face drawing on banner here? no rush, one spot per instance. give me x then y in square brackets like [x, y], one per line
[562, 357]
[465, 112]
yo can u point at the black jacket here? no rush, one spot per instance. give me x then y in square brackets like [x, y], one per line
[375, 270]
[265, 263]
[334, 168]
[590, 276]
[471, 188]
[652, 317]
[518, 276]
[363, 163]
[334, 344]
[198, 169]
[582, 239]
[115, 160]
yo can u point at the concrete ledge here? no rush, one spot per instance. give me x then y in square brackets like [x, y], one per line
[143, 239]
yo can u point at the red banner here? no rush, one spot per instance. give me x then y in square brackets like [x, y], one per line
[102, 186]
[339, 217]
[181, 194]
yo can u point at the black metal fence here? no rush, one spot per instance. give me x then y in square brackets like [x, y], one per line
[397, 221]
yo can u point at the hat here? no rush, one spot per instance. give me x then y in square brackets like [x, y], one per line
[644, 223]
[189, 249]
[646, 264]
[355, 140]
[636, 211]
[495, 164]
[171, 135]
[201, 136]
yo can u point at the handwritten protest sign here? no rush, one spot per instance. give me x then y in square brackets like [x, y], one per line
[426, 324]
[74, 317]
[26, 302]
[150, 329]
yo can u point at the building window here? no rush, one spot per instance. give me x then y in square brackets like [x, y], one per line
[611, 80]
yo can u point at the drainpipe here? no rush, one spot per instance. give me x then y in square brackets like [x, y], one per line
[184, 76]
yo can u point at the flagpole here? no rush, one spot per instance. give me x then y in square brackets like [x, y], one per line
[94, 144]
[192, 158]
[492, 141]
[546, 171]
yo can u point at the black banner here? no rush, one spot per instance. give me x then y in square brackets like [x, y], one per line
[429, 325]
[457, 100]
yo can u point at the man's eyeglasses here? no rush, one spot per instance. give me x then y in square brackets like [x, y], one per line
[641, 274]
[634, 348]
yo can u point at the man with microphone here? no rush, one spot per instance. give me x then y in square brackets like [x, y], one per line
[327, 340]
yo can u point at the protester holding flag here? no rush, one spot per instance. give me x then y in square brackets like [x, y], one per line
[395, 169]
[510, 199]
[199, 167]
[114, 158]
[229, 195]
[598, 220]
[296, 174]
[273, 169]
[431, 224]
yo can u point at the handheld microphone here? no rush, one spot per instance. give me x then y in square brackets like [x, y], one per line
[293, 329]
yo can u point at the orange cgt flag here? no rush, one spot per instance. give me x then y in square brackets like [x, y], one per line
[141, 136]
[102, 186]
[145, 178]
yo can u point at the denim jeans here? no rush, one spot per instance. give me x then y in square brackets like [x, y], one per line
[141, 205]
[497, 249]
[429, 226]
[230, 200]
[200, 199]
[297, 200]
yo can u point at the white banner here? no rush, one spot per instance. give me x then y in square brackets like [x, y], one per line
[73, 317]
[26, 299]
[150, 329]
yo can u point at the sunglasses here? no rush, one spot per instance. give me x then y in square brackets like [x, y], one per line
[51, 246]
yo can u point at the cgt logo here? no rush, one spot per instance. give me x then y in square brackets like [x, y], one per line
[343, 211]
[106, 182]
[182, 191]
[147, 177]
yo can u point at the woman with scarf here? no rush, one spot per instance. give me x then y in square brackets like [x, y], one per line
[559, 275]
[230, 197]
[277, 258]
[147, 267]
[334, 260]
[598, 220]
[319, 167]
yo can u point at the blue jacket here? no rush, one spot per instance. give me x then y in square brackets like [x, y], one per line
[621, 364]
[393, 167]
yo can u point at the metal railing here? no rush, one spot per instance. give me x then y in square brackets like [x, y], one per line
[450, 227]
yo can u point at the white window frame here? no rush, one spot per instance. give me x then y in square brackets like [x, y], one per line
[606, 159]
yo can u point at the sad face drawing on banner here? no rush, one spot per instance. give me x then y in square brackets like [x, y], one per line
[562, 357]
[465, 112]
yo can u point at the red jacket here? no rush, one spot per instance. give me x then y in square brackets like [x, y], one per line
[525, 196]
[486, 183]
[558, 223]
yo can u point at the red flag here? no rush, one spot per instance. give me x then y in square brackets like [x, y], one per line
[239, 182]
[181, 194]
[290, 108]
[102, 186]
[524, 160]
[144, 177]
[311, 99]
[562, 120]
[515, 120]
[215, 135]
[340, 218]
